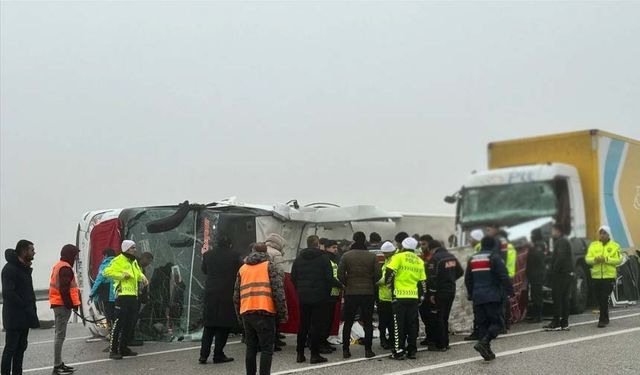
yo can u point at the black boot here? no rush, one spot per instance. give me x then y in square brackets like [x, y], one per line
[484, 349]
[317, 358]
[553, 326]
[301, 358]
[346, 353]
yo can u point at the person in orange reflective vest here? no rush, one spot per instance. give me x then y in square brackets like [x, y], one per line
[259, 301]
[64, 296]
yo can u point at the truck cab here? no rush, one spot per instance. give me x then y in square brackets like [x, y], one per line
[523, 198]
[512, 196]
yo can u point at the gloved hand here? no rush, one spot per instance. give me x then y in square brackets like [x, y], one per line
[421, 300]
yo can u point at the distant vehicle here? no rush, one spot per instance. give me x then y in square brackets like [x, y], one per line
[581, 180]
[179, 235]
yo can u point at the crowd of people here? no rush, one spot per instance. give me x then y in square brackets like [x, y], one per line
[416, 279]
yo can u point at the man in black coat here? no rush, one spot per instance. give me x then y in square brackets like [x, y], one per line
[221, 266]
[18, 305]
[312, 276]
[561, 271]
[443, 270]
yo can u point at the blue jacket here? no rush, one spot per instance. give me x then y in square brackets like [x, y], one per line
[101, 279]
[486, 278]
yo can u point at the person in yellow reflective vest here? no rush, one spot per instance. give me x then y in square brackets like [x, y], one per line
[385, 314]
[474, 239]
[126, 274]
[331, 251]
[406, 277]
[603, 256]
[510, 256]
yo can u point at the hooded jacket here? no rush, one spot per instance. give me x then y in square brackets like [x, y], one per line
[277, 285]
[67, 254]
[312, 276]
[18, 298]
[103, 281]
[275, 248]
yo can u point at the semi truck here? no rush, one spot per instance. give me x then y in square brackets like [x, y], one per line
[581, 180]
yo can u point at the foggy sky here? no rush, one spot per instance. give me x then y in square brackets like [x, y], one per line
[118, 104]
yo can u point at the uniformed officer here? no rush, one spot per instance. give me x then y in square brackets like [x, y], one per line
[406, 277]
[385, 313]
[488, 285]
[604, 256]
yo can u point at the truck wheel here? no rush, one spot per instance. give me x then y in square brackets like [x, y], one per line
[580, 291]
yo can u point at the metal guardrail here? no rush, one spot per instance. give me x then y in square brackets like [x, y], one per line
[41, 295]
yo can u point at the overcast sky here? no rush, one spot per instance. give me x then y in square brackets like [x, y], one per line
[119, 104]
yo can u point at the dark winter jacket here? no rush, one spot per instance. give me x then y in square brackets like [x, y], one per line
[359, 272]
[443, 269]
[535, 263]
[276, 278]
[18, 298]
[561, 259]
[486, 278]
[221, 268]
[312, 276]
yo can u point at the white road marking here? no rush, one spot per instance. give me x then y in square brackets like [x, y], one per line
[332, 364]
[516, 351]
[139, 355]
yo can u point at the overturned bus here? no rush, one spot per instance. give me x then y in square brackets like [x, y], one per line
[177, 236]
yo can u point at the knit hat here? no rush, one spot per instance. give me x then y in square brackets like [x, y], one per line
[606, 229]
[409, 243]
[387, 247]
[477, 234]
[276, 241]
[126, 245]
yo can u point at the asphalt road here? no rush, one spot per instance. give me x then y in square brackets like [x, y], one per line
[525, 350]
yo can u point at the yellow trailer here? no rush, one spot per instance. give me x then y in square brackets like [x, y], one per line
[608, 166]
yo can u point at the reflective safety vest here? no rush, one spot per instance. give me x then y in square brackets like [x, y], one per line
[255, 288]
[55, 297]
[115, 271]
[384, 293]
[477, 248]
[409, 269]
[335, 291]
[512, 256]
[612, 258]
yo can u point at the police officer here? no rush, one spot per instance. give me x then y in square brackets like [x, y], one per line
[406, 277]
[331, 251]
[604, 256]
[443, 270]
[126, 273]
[385, 313]
[488, 285]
